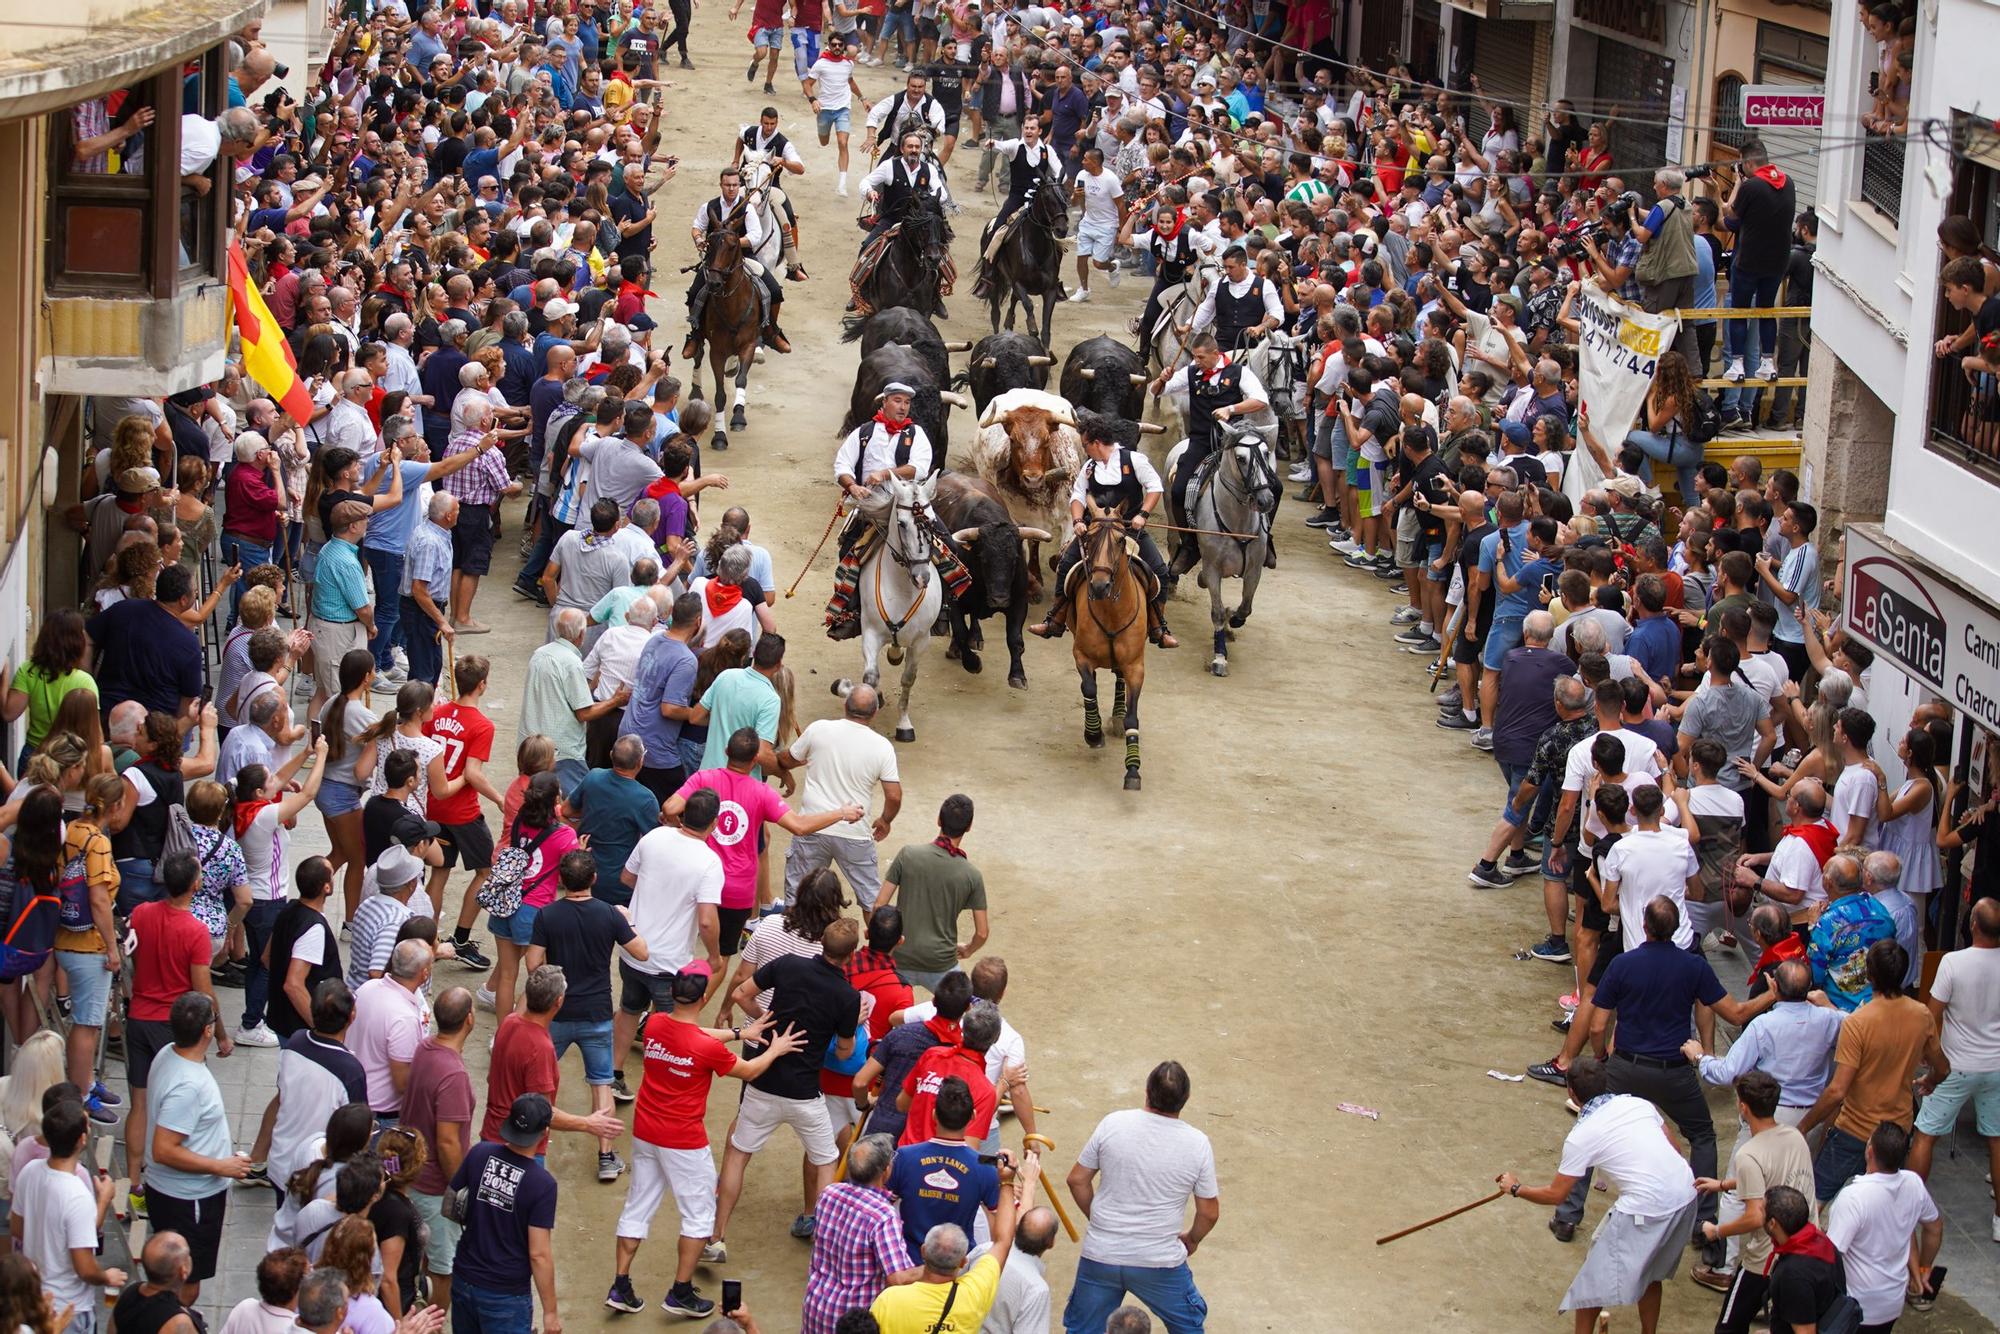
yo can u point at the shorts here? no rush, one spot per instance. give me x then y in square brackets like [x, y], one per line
[336, 798]
[472, 840]
[1502, 638]
[144, 1039]
[927, 29]
[762, 1113]
[472, 540]
[769, 39]
[594, 1037]
[834, 122]
[1939, 1114]
[1515, 775]
[642, 991]
[1408, 534]
[855, 857]
[1365, 477]
[732, 922]
[951, 122]
[198, 1221]
[841, 1111]
[1096, 241]
[899, 21]
[1338, 451]
[332, 641]
[689, 1173]
[441, 1250]
[519, 929]
[1433, 550]
[89, 985]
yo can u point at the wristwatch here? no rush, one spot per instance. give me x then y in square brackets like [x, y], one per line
[1515, 1190]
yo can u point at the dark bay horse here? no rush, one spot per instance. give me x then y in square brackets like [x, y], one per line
[1109, 617]
[732, 320]
[1029, 265]
[915, 267]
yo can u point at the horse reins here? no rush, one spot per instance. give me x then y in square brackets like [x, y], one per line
[889, 548]
[1089, 601]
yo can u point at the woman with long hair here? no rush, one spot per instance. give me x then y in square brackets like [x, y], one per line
[350, 764]
[37, 1066]
[539, 828]
[347, 1133]
[191, 511]
[399, 1228]
[796, 931]
[1821, 758]
[535, 754]
[730, 651]
[1909, 824]
[131, 575]
[24, 1303]
[223, 897]
[350, 1248]
[403, 729]
[87, 944]
[28, 923]
[78, 714]
[1662, 433]
[138, 845]
[55, 666]
[60, 764]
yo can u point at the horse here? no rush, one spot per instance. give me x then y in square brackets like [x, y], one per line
[1164, 347]
[1110, 623]
[1236, 508]
[900, 605]
[733, 319]
[914, 265]
[758, 174]
[1029, 262]
[1278, 361]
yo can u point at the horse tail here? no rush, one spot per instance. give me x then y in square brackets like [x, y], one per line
[851, 327]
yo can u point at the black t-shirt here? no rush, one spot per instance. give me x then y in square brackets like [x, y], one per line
[580, 935]
[329, 499]
[629, 207]
[1468, 561]
[1802, 1288]
[1764, 227]
[1381, 419]
[448, 157]
[1527, 468]
[138, 1313]
[394, 1216]
[948, 86]
[386, 820]
[812, 996]
[1432, 483]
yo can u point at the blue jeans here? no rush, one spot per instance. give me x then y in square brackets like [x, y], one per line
[1840, 1157]
[594, 1036]
[477, 1310]
[569, 773]
[420, 641]
[388, 570]
[1747, 291]
[1677, 450]
[546, 538]
[239, 550]
[1099, 1290]
[257, 924]
[135, 884]
[928, 981]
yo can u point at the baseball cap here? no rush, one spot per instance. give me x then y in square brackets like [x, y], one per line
[138, 481]
[1509, 299]
[1623, 485]
[691, 982]
[410, 830]
[557, 309]
[396, 867]
[527, 1121]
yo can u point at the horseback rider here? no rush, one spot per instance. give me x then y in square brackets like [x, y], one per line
[1243, 307]
[1219, 389]
[765, 137]
[887, 445]
[895, 116]
[717, 213]
[900, 178]
[1029, 162]
[1176, 245]
[1121, 482]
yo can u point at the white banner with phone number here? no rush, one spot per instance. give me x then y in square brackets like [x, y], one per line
[1621, 346]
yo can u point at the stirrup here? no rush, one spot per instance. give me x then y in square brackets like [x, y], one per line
[845, 628]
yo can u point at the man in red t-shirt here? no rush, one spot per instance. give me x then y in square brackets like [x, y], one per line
[524, 1061]
[670, 1138]
[170, 959]
[979, 1030]
[467, 734]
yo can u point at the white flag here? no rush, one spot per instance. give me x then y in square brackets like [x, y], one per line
[1621, 346]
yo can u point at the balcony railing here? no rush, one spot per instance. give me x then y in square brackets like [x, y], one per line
[1882, 162]
[1965, 413]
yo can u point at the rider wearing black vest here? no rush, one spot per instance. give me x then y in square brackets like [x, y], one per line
[909, 173]
[1116, 479]
[298, 920]
[711, 218]
[1029, 163]
[925, 114]
[1241, 304]
[1175, 243]
[889, 443]
[1218, 390]
[765, 137]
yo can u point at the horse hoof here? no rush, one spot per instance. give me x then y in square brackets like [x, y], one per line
[1094, 742]
[1219, 667]
[1237, 620]
[694, 392]
[1018, 680]
[972, 662]
[906, 734]
[720, 439]
[1131, 780]
[894, 653]
[841, 687]
[738, 421]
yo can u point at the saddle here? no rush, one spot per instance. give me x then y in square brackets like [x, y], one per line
[1147, 579]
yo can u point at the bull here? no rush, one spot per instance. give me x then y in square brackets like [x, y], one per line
[927, 406]
[1106, 376]
[909, 328]
[1028, 448]
[1004, 361]
[986, 538]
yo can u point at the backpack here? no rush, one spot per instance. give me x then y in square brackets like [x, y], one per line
[1704, 419]
[180, 833]
[501, 894]
[31, 930]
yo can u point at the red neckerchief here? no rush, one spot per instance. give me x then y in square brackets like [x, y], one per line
[131, 506]
[1820, 836]
[1169, 233]
[246, 813]
[892, 427]
[1208, 377]
[720, 596]
[1807, 1241]
[941, 842]
[1790, 947]
[626, 289]
[1771, 176]
[664, 487]
[943, 1029]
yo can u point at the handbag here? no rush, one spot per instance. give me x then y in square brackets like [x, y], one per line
[501, 894]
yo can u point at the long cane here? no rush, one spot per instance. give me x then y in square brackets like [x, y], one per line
[1055, 1190]
[1433, 1222]
[839, 508]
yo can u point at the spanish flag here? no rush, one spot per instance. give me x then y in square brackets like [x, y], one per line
[267, 358]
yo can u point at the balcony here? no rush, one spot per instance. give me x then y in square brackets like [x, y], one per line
[1882, 162]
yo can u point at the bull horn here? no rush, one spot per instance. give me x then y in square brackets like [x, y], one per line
[958, 347]
[1088, 372]
[965, 536]
[1041, 361]
[986, 363]
[954, 398]
[1135, 377]
[1036, 535]
[1151, 428]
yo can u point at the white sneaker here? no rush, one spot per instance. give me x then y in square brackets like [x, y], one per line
[1345, 546]
[1733, 372]
[841, 189]
[256, 1036]
[1080, 295]
[1302, 472]
[715, 1253]
[485, 999]
[1767, 370]
[1115, 275]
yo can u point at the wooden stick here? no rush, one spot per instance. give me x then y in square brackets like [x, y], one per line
[1433, 1222]
[1054, 1187]
[839, 508]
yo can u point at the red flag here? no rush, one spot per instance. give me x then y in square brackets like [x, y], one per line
[267, 357]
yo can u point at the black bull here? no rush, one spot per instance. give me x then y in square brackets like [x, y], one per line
[1004, 361]
[928, 406]
[990, 545]
[1115, 382]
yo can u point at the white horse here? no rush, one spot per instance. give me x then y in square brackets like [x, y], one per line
[899, 591]
[1164, 348]
[1235, 510]
[760, 176]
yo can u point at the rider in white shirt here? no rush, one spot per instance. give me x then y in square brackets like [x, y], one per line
[710, 216]
[765, 137]
[1118, 480]
[887, 445]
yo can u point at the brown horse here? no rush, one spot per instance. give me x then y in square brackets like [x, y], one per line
[732, 319]
[1110, 621]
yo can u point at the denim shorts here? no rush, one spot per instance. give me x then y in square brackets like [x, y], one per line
[594, 1037]
[89, 985]
[1502, 638]
[831, 122]
[337, 798]
[1939, 1113]
[770, 38]
[520, 928]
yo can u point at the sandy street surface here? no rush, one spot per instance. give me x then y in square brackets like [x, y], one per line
[1283, 908]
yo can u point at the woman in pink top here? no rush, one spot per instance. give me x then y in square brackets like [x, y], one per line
[537, 824]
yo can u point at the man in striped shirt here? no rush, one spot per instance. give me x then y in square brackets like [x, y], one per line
[479, 487]
[372, 932]
[427, 579]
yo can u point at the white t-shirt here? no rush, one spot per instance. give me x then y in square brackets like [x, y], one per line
[1642, 756]
[673, 872]
[58, 1215]
[1147, 1165]
[1968, 985]
[1714, 799]
[1100, 197]
[1870, 1223]
[831, 84]
[1626, 1140]
[1794, 866]
[1854, 794]
[844, 761]
[1647, 864]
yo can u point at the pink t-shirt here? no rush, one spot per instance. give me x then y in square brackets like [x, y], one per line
[747, 803]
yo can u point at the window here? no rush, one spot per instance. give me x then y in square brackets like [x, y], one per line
[1965, 400]
[1885, 105]
[1729, 131]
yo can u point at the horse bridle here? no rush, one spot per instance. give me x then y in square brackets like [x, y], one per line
[1264, 487]
[1118, 528]
[909, 562]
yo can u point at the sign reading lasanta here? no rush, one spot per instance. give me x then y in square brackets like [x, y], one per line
[1923, 623]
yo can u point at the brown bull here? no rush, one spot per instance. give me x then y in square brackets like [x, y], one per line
[1028, 448]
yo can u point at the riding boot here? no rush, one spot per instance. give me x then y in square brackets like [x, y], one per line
[691, 350]
[774, 337]
[1156, 624]
[794, 269]
[1270, 550]
[1057, 622]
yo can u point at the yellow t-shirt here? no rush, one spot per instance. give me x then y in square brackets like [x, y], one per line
[913, 1308]
[87, 841]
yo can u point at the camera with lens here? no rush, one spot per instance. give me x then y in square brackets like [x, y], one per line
[1701, 172]
[1619, 211]
[282, 70]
